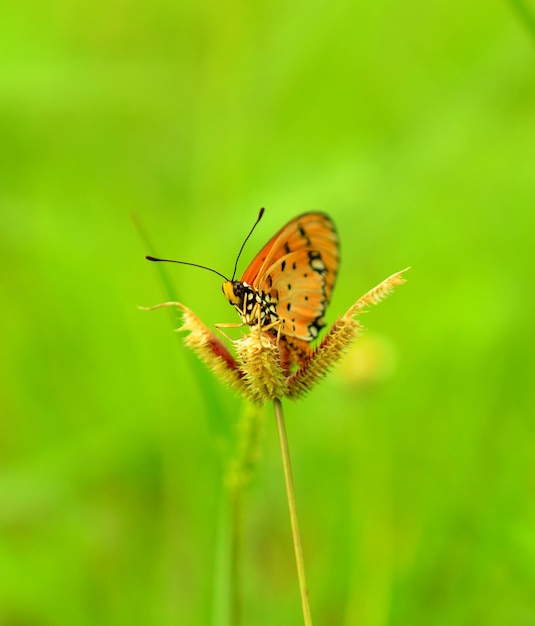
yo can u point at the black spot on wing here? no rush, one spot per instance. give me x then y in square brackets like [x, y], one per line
[303, 234]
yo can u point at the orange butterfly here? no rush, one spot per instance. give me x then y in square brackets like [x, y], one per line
[286, 288]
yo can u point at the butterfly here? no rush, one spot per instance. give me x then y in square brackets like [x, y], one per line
[287, 287]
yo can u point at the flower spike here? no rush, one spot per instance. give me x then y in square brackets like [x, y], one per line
[261, 370]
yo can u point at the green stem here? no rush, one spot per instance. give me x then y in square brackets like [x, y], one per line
[240, 466]
[236, 512]
[227, 600]
[222, 587]
[290, 493]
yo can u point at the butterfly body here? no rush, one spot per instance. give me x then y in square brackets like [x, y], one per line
[254, 307]
[286, 288]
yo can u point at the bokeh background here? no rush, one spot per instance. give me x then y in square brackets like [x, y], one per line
[413, 125]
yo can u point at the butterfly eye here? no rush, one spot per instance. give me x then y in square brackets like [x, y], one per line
[230, 294]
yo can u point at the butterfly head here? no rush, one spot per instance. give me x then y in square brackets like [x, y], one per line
[240, 294]
[234, 292]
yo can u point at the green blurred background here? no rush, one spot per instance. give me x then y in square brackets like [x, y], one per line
[413, 126]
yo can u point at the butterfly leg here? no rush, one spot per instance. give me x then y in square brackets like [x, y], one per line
[276, 324]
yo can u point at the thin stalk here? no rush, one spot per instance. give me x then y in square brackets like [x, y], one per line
[290, 493]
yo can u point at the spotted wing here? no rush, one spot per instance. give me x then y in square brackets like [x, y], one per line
[298, 269]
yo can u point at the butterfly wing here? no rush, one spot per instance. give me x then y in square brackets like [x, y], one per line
[298, 268]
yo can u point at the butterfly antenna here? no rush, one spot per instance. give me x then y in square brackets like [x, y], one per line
[203, 267]
[245, 241]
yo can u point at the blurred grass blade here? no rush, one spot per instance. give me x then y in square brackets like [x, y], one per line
[216, 412]
[526, 14]
[223, 582]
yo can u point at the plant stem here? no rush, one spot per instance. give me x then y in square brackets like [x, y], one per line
[290, 493]
[223, 582]
[235, 496]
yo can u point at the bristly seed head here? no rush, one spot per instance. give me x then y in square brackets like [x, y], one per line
[260, 371]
